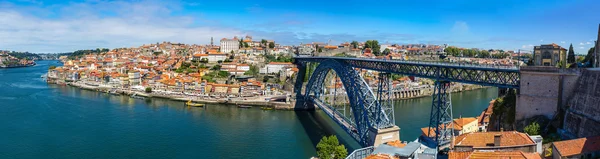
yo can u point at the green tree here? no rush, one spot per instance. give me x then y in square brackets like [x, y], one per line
[354, 44]
[253, 71]
[533, 129]
[271, 45]
[386, 51]
[374, 45]
[148, 90]
[263, 42]
[246, 44]
[330, 148]
[241, 43]
[484, 53]
[52, 67]
[216, 67]
[571, 55]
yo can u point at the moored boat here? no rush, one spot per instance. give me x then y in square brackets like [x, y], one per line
[244, 106]
[192, 104]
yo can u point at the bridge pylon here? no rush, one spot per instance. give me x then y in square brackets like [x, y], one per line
[441, 115]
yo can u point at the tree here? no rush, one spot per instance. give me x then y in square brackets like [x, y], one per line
[241, 43]
[271, 45]
[52, 67]
[245, 44]
[253, 71]
[354, 44]
[330, 148]
[263, 42]
[386, 51]
[216, 67]
[374, 45]
[533, 129]
[484, 53]
[571, 55]
[148, 90]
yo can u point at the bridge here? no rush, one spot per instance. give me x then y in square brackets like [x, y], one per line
[370, 120]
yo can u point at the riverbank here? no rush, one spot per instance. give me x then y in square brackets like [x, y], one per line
[251, 101]
[18, 66]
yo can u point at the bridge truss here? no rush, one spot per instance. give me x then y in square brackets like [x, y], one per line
[370, 111]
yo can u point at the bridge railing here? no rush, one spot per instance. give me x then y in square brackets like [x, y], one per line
[361, 153]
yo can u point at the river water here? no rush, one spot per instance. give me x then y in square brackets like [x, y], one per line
[38, 120]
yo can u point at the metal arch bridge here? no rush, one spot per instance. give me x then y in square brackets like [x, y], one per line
[372, 111]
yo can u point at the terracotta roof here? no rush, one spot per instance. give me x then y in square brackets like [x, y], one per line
[280, 63]
[493, 155]
[482, 139]
[578, 146]
[460, 122]
[396, 143]
[380, 156]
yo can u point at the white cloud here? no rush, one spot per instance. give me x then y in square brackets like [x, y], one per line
[588, 43]
[542, 40]
[581, 47]
[460, 27]
[562, 42]
[581, 43]
[133, 24]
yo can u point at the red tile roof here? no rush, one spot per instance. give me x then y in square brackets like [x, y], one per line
[493, 155]
[482, 139]
[577, 146]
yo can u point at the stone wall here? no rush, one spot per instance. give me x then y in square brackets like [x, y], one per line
[582, 117]
[543, 90]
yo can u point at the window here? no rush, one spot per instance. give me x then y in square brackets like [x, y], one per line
[546, 55]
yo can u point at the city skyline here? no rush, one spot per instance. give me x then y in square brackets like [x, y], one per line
[56, 26]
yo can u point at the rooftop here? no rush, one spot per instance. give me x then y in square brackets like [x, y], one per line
[484, 139]
[493, 155]
[578, 146]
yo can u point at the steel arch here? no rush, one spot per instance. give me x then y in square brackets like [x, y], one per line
[365, 107]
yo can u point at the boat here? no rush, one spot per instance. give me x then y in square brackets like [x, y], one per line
[266, 108]
[192, 104]
[244, 106]
[137, 97]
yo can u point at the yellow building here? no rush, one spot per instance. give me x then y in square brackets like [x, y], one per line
[465, 125]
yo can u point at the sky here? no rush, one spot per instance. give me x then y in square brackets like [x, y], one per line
[64, 26]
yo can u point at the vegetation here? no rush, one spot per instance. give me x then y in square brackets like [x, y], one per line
[51, 67]
[148, 90]
[253, 71]
[571, 55]
[589, 58]
[386, 51]
[280, 58]
[80, 53]
[354, 44]
[504, 110]
[330, 148]
[533, 129]
[23, 55]
[343, 54]
[454, 51]
[374, 45]
[271, 45]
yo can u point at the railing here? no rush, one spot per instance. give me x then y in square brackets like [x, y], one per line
[361, 153]
[441, 63]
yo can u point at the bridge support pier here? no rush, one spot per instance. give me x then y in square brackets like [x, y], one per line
[440, 121]
[380, 136]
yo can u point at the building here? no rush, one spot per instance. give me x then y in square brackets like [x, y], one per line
[588, 147]
[275, 67]
[484, 118]
[495, 141]
[465, 125]
[549, 55]
[228, 45]
[493, 154]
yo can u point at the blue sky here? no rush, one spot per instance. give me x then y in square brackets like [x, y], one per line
[62, 26]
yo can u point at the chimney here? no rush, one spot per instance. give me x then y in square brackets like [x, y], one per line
[497, 139]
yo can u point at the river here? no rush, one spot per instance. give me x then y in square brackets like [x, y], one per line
[51, 121]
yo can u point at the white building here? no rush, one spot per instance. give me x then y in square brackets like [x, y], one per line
[228, 45]
[134, 78]
[216, 57]
[275, 67]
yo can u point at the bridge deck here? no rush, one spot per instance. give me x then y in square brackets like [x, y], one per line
[504, 76]
[349, 128]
